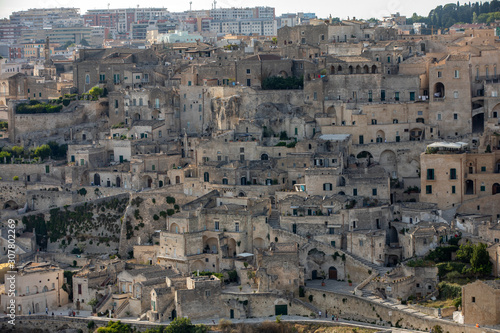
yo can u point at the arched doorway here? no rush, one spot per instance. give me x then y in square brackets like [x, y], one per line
[439, 90]
[97, 179]
[416, 134]
[283, 74]
[174, 228]
[259, 243]
[264, 157]
[374, 69]
[231, 248]
[314, 274]
[380, 136]
[332, 273]
[147, 181]
[388, 161]
[366, 69]
[211, 245]
[243, 180]
[206, 177]
[137, 116]
[495, 188]
[118, 182]
[242, 194]
[177, 179]
[392, 236]
[173, 314]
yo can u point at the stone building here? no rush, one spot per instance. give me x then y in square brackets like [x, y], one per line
[38, 287]
[468, 175]
[480, 301]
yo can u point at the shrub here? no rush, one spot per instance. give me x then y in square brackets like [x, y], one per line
[156, 217]
[310, 298]
[170, 200]
[36, 107]
[15, 178]
[280, 83]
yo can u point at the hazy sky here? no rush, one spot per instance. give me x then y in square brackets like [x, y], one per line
[342, 9]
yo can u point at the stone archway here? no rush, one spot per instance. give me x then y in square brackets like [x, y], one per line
[439, 91]
[495, 189]
[97, 179]
[388, 161]
[11, 204]
[231, 248]
[259, 243]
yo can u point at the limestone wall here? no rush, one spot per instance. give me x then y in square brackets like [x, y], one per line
[357, 308]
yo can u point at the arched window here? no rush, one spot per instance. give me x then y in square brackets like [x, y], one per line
[206, 177]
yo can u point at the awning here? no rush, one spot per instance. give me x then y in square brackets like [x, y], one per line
[245, 255]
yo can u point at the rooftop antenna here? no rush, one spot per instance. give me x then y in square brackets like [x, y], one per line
[190, 3]
[108, 5]
[215, 4]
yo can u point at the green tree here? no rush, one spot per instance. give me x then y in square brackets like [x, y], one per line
[4, 155]
[480, 261]
[464, 254]
[180, 325]
[43, 151]
[95, 92]
[17, 150]
[115, 327]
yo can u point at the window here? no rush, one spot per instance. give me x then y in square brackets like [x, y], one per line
[420, 113]
[248, 70]
[457, 74]
[102, 77]
[249, 82]
[47, 169]
[455, 94]
[224, 181]
[153, 167]
[394, 121]
[374, 191]
[354, 191]
[189, 83]
[455, 116]
[430, 174]
[87, 79]
[327, 187]
[396, 95]
[389, 59]
[157, 103]
[296, 131]
[216, 225]
[440, 74]
[439, 116]
[483, 169]
[332, 243]
[412, 95]
[360, 242]
[374, 121]
[116, 78]
[473, 300]
[315, 96]
[79, 289]
[428, 189]
[207, 293]
[370, 95]
[453, 173]
[27, 290]
[237, 227]
[331, 231]
[453, 189]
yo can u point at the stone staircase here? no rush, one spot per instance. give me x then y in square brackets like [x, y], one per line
[306, 305]
[102, 305]
[375, 268]
[121, 308]
[274, 219]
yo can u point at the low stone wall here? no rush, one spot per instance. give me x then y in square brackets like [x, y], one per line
[359, 309]
[435, 312]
